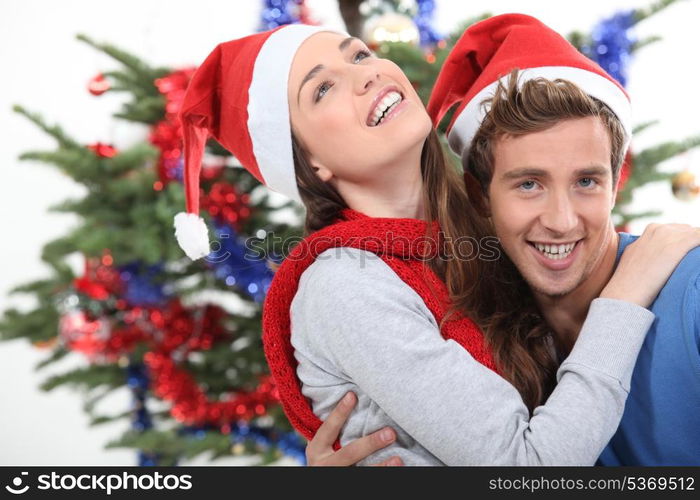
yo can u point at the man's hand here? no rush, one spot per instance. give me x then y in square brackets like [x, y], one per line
[320, 451]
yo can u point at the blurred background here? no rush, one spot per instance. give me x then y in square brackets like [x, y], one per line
[159, 357]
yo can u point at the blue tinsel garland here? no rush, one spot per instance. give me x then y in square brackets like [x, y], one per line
[275, 13]
[424, 21]
[612, 44]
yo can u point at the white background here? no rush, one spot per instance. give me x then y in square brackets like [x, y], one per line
[46, 69]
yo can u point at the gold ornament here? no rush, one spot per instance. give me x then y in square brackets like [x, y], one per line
[390, 27]
[272, 265]
[45, 344]
[684, 186]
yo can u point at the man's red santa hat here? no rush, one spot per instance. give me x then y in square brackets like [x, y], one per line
[239, 97]
[489, 50]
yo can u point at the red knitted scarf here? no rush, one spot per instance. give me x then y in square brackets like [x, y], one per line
[402, 244]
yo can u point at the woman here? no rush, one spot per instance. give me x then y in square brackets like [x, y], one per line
[314, 115]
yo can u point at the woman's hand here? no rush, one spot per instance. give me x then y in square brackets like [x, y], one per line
[320, 449]
[648, 262]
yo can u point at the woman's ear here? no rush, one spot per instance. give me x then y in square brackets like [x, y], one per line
[476, 194]
[300, 149]
[321, 171]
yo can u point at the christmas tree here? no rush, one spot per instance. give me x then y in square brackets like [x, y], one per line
[184, 336]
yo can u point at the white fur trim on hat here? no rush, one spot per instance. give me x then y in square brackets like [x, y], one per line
[192, 235]
[267, 97]
[469, 120]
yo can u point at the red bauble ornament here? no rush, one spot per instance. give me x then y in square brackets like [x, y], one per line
[103, 150]
[99, 281]
[226, 204]
[98, 85]
[98, 338]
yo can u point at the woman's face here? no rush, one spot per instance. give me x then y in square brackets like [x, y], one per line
[356, 116]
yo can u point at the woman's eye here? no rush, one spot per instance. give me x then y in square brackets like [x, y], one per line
[321, 90]
[586, 182]
[325, 86]
[364, 53]
[528, 186]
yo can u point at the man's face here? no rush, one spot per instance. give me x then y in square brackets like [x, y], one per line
[550, 197]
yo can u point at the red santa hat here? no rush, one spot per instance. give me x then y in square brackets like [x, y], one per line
[489, 50]
[239, 97]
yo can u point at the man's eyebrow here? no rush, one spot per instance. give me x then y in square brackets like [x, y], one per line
[308, 77]
[592, 171]
[343, 45]
[525, 172]
[519, 173]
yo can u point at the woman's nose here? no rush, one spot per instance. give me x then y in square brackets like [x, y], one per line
[366, 78]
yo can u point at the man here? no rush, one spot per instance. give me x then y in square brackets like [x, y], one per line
[544, 164]
[547, 159]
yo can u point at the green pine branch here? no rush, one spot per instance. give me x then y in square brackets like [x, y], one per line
[55, 131]
[638, 129]
[44, 287]
[38, 325]
[648, 159]
[137, 66]
[147, 110]
[640, 44]
[138, 78]
[88, 377]
[57, 354]
[96, 420]
[656, 7]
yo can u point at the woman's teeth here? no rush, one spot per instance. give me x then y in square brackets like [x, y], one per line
[555, 252]
[385, 105]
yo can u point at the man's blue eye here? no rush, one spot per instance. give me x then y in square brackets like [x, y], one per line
[586, 182]
[528, 185]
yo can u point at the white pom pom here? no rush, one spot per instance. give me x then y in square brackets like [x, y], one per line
[192, 235]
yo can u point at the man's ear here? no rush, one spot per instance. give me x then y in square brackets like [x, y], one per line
[616, 185]
[476, 195]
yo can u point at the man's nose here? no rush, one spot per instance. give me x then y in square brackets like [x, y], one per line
[559, 215]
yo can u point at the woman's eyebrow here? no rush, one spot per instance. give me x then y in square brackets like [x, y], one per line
[315, 70]
[344, 44]
[308, 77]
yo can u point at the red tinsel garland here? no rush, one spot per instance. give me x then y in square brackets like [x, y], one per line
[169, 331]
[190, 404]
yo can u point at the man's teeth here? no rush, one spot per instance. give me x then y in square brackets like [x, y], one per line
[384, 106]
[555, 252]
